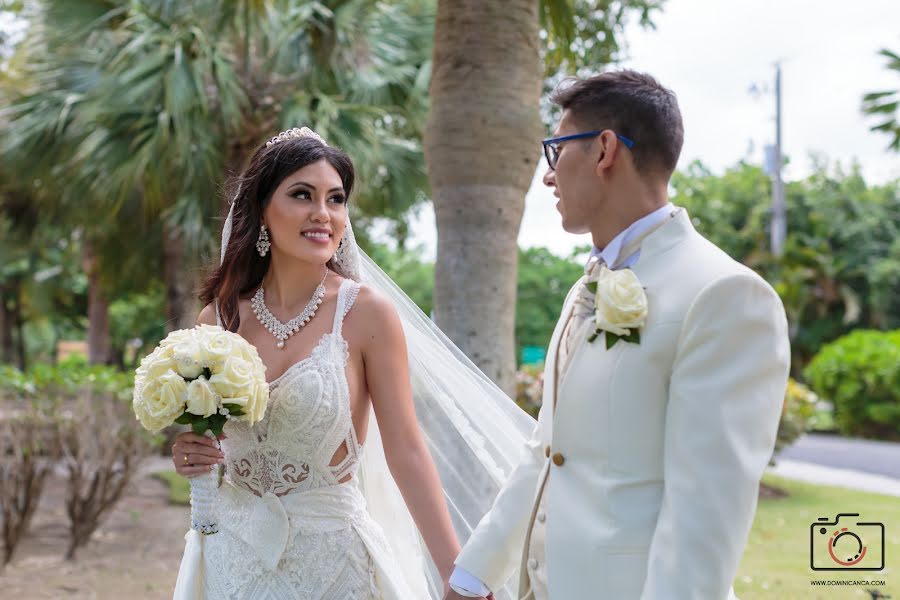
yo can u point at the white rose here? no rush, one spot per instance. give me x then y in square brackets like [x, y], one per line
[157, 363]
[235, 380]
[249, 353]
[161, 401]
[208, 329]
[621, 302]
[189, 358]
[201, 398]
[215, 347]
[260, 399]
[253, 404]
[177, 337]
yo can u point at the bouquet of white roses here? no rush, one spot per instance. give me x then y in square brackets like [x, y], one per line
[201, 377]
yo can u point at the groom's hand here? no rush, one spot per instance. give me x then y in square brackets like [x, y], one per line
[451, 595]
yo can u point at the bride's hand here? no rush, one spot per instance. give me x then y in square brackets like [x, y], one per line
[195, 454]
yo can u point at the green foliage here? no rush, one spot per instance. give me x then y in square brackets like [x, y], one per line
[841, 265]
[43, 382]
[796, 414]
[155, 103]
[860, 374]
[406, 267]
[179, 487]
[530, 388]
[586, 34]
[137, 323]
[543, 282]
[123, 120]
[884, 105]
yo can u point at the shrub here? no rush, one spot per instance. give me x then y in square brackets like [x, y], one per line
[530, 388]
[79, 416]
[860, 374]
[796, 414]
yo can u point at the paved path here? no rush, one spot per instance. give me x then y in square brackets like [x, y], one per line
[866, 456]
[846, 478]
[863, 465]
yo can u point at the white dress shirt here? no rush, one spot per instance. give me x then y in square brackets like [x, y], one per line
[463, 582]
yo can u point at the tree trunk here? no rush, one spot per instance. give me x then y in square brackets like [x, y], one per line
[7, 325]
[482, 143]
[181, 302]
[19, 326]
[98, 309]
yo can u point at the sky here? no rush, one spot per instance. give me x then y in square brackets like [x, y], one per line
[710, 52]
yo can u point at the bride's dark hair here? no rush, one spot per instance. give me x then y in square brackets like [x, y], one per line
[242, 269]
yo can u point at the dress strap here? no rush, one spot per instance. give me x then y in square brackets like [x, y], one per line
[347, 294]
[218, 314]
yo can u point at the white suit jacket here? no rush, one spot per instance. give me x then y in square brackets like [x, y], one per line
[663, 443]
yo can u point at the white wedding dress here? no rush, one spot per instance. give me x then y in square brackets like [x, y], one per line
[293, 525]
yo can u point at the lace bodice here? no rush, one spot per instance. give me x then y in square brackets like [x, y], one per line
[306, 423]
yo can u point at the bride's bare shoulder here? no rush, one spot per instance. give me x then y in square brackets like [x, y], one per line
[373, 303]
[374, 315]
[207, 315]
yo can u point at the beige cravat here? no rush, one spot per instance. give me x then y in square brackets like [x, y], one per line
[582, 311]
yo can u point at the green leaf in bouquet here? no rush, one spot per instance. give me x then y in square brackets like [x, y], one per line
[216, 423]
[184, 419]
[200, 426]
[234, 408]
[592, 286]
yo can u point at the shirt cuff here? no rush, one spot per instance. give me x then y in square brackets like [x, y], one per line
[465, 584]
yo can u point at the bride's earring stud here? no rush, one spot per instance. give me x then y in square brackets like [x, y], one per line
[262, 243]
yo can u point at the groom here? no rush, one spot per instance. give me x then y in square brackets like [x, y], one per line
[664, 381]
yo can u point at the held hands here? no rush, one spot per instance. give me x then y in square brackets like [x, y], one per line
[195, 454]
[451, 595]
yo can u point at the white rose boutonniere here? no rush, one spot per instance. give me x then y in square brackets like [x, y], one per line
[620, 306]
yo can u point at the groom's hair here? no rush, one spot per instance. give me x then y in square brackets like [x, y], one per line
[632, 104]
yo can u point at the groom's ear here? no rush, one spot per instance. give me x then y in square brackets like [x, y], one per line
[606, 145]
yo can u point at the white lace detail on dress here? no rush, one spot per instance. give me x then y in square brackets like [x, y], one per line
[299, 533]
[306, 424]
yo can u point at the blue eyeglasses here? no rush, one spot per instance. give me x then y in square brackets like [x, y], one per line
[551, 145]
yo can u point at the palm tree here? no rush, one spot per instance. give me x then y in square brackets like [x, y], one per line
[180, 93]
[482, 147]
[886, 105]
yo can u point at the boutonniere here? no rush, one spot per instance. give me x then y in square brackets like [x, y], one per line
[620, 305]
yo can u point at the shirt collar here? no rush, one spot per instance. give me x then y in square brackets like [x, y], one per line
[610, 254]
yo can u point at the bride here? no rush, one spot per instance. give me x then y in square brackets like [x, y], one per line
[324, 498]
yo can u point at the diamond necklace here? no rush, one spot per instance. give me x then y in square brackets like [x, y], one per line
[282, 331]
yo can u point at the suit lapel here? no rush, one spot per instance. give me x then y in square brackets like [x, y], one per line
[551, 376]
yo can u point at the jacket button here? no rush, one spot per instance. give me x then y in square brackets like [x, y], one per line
[547, 451]
[558, 459]
[541, 516]
[532, 564]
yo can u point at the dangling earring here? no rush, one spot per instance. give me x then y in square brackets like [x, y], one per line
[262, 243]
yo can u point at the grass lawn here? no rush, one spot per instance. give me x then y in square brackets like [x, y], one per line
[179, 488]
[776, 562]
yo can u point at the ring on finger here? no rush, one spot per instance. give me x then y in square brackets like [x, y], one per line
[185, 459]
